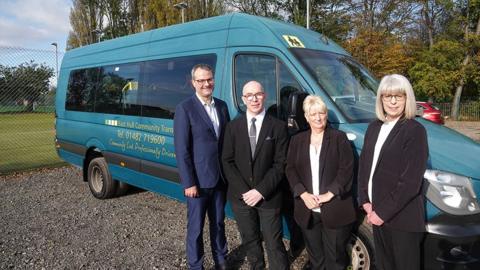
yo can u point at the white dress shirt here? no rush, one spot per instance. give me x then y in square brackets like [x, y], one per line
[315, 169]
[212, 113]
[258, 123]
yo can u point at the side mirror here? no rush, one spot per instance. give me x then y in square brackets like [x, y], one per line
[295, 116]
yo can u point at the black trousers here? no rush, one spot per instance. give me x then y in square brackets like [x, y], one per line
[327, 247]
[397, 250]
[253, 223]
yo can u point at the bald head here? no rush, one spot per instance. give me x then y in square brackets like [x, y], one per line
[252, 85]
[253, 97]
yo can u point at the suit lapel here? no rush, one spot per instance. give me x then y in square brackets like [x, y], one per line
[203, 114]
[264, 130]
[221, 118]
[323, 154]
[390, 137]
[305, 160]
[244, 136]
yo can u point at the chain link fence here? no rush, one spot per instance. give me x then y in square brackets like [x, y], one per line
[28, 80]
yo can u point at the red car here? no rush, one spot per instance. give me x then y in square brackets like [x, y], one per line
[430, 112]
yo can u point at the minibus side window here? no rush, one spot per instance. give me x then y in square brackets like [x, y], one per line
[117, 92]
[168, 82]
[81, 90]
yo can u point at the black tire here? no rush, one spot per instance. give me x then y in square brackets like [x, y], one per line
[100, 180]
[360, 248]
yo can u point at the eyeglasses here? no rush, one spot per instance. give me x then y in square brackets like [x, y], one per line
[203, 81]
[250, 97]
[400, 97]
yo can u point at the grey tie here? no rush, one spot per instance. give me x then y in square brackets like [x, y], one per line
[252, 134]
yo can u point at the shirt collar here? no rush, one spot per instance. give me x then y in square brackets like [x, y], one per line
[259, 117]
[212, 103]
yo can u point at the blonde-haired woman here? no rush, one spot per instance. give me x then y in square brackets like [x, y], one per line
[391, 168]
[320, 170]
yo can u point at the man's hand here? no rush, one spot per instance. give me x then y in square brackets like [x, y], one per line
[252, 197]
[310, 200]
[367, 207]
[324, 198]
[375, 219]
[191, 192]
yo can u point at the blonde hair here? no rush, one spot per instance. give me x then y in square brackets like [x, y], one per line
[313, 101]
[396, 84]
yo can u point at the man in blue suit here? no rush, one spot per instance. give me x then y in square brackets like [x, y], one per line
[199, 125]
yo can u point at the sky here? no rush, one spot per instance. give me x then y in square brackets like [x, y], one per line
[34, 24]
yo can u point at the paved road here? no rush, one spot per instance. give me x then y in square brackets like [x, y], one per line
[468, 128]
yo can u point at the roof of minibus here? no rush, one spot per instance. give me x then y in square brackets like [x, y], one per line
[235, 29]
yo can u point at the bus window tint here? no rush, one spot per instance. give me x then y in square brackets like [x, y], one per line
[257, 67]
[168, 82]
[81, 90]
[151, 88]
[118, 89]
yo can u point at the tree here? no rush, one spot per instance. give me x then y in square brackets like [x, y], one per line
[25, 83]
[381, 53]
[97, 20]
[437, 70]
[86, 19]
[265, 8]
[473, 40]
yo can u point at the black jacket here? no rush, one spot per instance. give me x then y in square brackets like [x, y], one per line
[265, 171]
[397, 181]
[336, 173]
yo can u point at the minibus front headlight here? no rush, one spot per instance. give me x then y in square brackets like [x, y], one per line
[451, 193]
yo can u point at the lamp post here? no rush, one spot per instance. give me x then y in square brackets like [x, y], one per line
[56, 58]
[182, 6]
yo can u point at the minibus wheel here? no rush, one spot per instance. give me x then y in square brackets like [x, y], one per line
[100, 181]
[360, 249]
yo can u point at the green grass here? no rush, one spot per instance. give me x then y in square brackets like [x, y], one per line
[21, 109]
[27, 142]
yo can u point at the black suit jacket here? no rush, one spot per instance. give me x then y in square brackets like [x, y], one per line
[398, 177]
[336, 173]
[263, 172]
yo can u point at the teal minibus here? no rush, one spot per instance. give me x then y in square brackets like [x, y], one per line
[116, 100]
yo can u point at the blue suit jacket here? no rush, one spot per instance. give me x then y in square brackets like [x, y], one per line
[197, 147]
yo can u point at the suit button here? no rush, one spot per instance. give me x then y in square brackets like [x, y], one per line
[251, 179]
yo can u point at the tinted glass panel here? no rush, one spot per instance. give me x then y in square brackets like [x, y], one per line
[168, 82]
[81, 87]
[287, 84]
[347, 83]
[118, 89]
[261, 68]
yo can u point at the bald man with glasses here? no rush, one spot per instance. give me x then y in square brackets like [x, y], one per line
[254, 153]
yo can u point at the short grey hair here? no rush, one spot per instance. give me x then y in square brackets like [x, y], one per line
[201, 66]
[312, 101]
[396, 84]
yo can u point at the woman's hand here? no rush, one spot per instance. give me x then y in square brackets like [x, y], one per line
[310, 200]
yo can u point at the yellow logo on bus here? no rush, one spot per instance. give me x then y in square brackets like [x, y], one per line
[293, 41]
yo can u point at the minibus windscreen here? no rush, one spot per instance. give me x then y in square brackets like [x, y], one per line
[347, 83]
